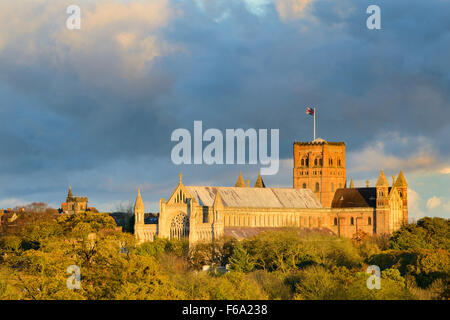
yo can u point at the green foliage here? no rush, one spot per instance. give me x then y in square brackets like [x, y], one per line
[161, 246]
[288, 251]
[240, 260]
[287, 264]
[428, 233]
[424, 264]
[96, 221]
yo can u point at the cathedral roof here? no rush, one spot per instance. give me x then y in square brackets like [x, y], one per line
[255, 197]
[354, 198]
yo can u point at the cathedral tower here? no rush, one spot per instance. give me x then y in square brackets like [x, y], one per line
[320, 166]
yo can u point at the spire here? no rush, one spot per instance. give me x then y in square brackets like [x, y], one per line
[401, 181]
[69, 195]
[240, 181]
[259, 182]
[139, 204]
[367, 183]
[352, 185]
[181, 178]
[382, 181]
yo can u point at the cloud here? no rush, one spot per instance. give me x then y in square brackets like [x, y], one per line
[383, 153]
[11, 202]
[84, 107]
[445, 170]
[291, 9]
[414, 200]
[446, 206]
[433, 202]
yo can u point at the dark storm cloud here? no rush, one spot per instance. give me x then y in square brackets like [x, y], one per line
[74, 107]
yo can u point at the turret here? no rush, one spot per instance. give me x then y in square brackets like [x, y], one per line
[259, 182]
[402, 188]
[352, 185]
[69, 195]
[139, 209]
[382, 204]
[240, 181]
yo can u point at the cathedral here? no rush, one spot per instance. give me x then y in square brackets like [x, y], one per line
[319, 199]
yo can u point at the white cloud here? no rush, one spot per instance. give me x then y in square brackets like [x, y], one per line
[433, 202]
[11, 202]
[375, 155]
[291, 9]
[446, 206]
[445, 170]
[125, 32]
[414, 200]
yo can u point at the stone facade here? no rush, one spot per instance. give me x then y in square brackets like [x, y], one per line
[320, 166]
[204, 213]
[74, 205]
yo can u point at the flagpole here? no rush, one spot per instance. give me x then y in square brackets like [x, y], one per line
[314, 123]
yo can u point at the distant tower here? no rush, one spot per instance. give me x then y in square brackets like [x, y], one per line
[382, 204]
[320, 166]
[402, 188]
[139, 209]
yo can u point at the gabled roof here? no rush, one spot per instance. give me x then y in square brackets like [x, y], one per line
[354, 198]
[255, 197]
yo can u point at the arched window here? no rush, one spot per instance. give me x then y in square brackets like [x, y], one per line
[304, 186]
[303, 162]
[369, 221]
[335, 221]
[321, 162]
[307, 162]
[331, 162]
[315, 162]
[339, 162]
[352, 221]
[317, 187]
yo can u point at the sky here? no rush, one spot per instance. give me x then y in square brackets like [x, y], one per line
[94, 108]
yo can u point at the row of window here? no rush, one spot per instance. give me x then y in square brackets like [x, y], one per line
[317, 187]
[352, 221]
[319, 162]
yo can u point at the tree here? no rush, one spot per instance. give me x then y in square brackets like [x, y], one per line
[240, 261]
[428, 233]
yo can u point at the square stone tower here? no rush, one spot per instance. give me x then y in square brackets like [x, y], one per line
[320, 166]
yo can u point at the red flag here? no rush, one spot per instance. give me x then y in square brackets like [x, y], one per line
[310, 111]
